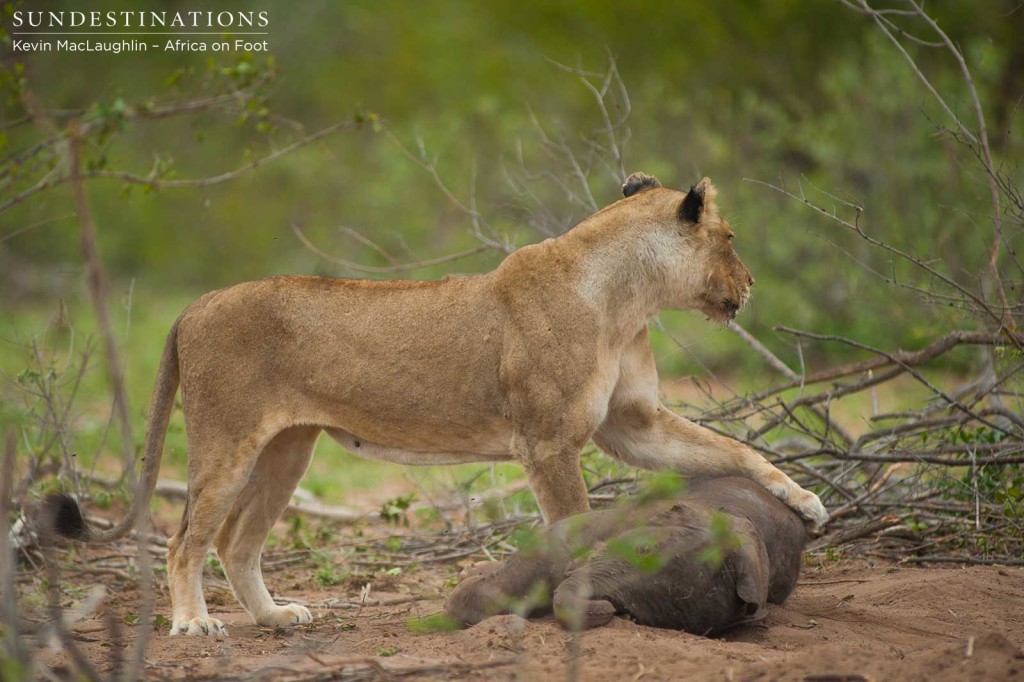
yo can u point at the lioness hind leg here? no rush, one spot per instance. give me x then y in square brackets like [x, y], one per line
[218, 469]
[278, 470]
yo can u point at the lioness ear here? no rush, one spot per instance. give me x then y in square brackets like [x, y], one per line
[638, 182]
[692, 208]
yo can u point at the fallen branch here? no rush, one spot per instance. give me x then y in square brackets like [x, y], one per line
[305, 504]
[966, 560]
[849, 534]
[356, 670]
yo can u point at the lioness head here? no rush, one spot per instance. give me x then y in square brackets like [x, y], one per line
[703, 270]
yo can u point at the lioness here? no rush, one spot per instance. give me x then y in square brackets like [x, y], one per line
[524, 363]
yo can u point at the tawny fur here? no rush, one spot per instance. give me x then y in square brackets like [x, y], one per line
[524, 363]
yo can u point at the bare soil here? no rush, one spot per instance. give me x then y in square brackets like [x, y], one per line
[848, 620]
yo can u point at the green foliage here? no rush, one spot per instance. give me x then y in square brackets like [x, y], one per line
[721, 542]
[527, 539]
[833, 553]
[661, 485]
[214, 565]
[329, 577]
[11, 669]
[305, 535]
[640, 549]
[1002, 484]
[395, 510]
[326, 573]
[436, 622]
[817, 114]
[386, 651]
[836, 110]
[103, 499]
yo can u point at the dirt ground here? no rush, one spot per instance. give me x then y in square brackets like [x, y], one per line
[848, 620]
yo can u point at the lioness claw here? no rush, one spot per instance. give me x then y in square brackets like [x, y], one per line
[289, 614]
[202, 625]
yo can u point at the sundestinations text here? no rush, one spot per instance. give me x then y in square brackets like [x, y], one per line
[139, 19]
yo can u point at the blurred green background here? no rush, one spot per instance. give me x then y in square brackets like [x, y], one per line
[806, 93]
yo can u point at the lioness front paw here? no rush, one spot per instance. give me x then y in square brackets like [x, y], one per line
[289, 614]
[201, 625]
[810, 508]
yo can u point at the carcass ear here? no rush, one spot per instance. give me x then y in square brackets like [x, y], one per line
[638, 182]
[750, 560]
[692, 208]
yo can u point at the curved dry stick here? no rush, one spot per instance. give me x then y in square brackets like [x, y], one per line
[389, 269]
[157, 183]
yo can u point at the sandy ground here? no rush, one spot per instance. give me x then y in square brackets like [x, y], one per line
[848, 620]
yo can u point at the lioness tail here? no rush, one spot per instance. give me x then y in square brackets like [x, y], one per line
[61, 512]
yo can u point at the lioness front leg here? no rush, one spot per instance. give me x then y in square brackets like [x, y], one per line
[553, 471]
[654, 437]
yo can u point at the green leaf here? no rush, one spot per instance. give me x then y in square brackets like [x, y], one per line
[438, 622]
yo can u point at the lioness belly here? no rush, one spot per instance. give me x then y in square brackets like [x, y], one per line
[493, 452]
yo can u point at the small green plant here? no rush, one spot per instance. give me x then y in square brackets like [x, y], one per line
[11, 669]
[103, 499]
[640, 549]
[1001, 484]
[386, 651]
[528, 539]
[326, 573]
[436, 622]
[161, 622]
[663, 485]
[297, 532]
[396, 510]
[329, 577]
[213, 563]
[723, 540]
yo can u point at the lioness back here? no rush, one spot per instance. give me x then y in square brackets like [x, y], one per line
[352, 354]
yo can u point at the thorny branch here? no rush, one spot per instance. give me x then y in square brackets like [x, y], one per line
[939, 479]
[978, 141]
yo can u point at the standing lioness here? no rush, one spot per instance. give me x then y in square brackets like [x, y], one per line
[527, 362]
